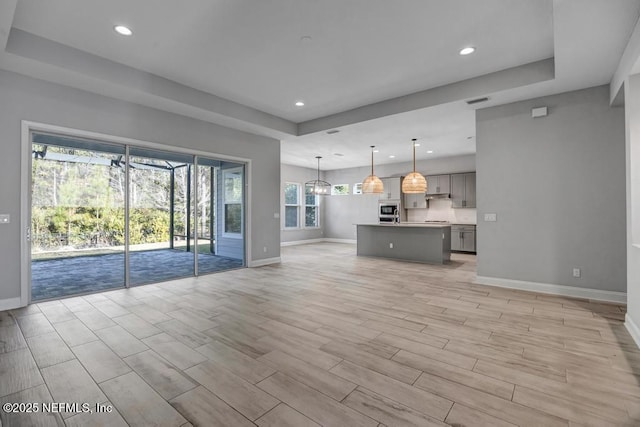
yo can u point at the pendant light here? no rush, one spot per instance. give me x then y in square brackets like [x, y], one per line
[414, 183]
[372, 184]
[319, 187]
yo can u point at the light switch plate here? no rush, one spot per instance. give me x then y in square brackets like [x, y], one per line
[276, 215]
[5, 219]
[490, 217]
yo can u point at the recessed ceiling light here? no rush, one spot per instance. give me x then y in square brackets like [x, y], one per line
[429, 151]
[392, 156]
[299, 104]
[376, 151]
[467, 50]
[416, 144]
[122, 30]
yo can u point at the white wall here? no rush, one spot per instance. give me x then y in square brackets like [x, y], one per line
[300, 175]
[24, 98]
[557, 185]
[632, 110]
[345, 211]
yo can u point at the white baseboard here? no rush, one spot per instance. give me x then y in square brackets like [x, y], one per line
[633, 328]
[266, 261]
[10, 303]
[321, 240]
[350, 241]
[301, 242]
[548, 288]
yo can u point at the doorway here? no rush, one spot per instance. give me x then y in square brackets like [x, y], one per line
[105, 215]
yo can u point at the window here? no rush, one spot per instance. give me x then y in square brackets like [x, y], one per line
[291, 204]
[340, 190]
[311, 202]
[298, 212]
[233, 182]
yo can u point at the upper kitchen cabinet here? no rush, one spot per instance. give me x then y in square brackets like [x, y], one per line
[415, 201]
[438, 184]
[463, 190]
[392, 189]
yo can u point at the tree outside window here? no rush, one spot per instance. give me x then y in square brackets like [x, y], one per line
[291, 204]
[233, 182]
[340, 190]
[311, 218]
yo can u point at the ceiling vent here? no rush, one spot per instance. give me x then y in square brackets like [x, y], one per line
[477, 100]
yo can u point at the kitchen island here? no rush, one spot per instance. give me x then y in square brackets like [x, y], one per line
[418, 242]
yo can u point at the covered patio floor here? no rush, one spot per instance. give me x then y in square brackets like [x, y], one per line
[63, 277]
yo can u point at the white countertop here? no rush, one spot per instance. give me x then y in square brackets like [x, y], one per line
[408, 224]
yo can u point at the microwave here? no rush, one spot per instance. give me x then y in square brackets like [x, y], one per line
[388, 209]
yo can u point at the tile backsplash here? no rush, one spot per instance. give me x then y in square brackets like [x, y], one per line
[441, 210]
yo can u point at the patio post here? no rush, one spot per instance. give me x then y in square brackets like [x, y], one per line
[188, 230]
[172, 207]
[212, 192]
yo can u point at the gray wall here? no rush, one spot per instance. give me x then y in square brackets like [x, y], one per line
[558, 186]
[24, 98]
[345, 211]
[632, 110]
[289, 173]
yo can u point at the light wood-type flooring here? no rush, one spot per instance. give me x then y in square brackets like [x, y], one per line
[325, 338]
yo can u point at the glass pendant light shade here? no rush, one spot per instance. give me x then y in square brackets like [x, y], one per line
[318, 186]
[414, 183]
[372, 184]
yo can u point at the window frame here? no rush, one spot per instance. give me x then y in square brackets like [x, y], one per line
[347, 187]
[225, 202]
[296, 205]
[316, 205]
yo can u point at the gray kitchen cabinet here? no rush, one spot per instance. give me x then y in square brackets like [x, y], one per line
[463, 190]
[463, 238]
[438, 184]
[392, 189]
[468, 241]
[415, 201]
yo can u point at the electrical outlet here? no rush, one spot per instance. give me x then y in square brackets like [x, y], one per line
[490, 217]
[576, 272]
[390, 245]
[264, 249]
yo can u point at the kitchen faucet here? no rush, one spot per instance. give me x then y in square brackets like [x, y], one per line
[396, 216]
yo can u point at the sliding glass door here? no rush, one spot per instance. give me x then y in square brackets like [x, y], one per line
[105, 216]
[161, 215]
[220, 223]
[77, 216]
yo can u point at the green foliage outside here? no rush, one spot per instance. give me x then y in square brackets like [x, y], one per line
[82, 227]
[78, 200]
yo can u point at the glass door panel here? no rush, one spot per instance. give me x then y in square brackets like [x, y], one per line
[220, 215]
[77, 216]
[161, 216]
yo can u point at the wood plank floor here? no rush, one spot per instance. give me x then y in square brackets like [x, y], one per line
[323, 339]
